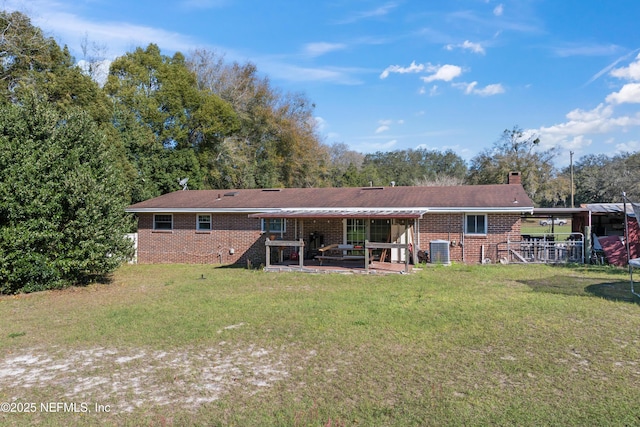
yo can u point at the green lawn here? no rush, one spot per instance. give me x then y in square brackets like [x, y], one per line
[182, 345]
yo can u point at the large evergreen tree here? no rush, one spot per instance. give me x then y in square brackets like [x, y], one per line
[166, 121]
[62, 199]
[31, 62]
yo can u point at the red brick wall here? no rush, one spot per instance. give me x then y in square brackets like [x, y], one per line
[242, 235]
[468, 248]
[229, 232]
[233, 239]
[330, 229]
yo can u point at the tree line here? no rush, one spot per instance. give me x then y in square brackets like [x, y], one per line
[74, 152]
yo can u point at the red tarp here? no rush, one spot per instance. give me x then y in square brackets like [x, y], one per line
[615, 250]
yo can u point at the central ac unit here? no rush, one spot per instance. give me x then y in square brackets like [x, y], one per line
[439, 252]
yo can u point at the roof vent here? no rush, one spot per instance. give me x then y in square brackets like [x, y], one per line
[271, 189]
[232, 193]
[373, 188]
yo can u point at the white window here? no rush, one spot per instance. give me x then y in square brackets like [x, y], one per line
[475, 224]
[163, 222]
[274, 225]
[204, 223]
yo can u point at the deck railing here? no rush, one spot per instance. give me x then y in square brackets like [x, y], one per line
[556, 248]
[281, 245]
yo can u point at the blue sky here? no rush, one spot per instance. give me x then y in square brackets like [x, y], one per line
[399, 74]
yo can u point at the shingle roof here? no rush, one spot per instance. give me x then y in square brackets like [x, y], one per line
[507, 197]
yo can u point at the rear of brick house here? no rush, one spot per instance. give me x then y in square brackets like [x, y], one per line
[231, 226]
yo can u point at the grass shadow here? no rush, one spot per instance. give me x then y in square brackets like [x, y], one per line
[578, 286]
[615, 291]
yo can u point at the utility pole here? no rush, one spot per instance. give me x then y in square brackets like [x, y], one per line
[571, 167]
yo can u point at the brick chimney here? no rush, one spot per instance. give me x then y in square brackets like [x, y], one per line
[514, 178]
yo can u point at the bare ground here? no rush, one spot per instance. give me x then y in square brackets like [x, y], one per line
[128, 379]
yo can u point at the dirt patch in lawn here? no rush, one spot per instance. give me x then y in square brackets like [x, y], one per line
[132, 378]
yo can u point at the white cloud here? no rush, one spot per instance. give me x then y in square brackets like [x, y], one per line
[383, 146]
[385, 124]
[598, 113]
[320, 123]
[99, 71]
[413, 68]
[629, 94]
[321, 48]
[367, 146]
[472, 89]
[586, 50]
[373, 13]
[474, 47]
[445, 73]
[490, 90]
[632, 72]
[602, 119]
[628, 147]
[120, 36]
[467, 45]
[610, 67]
[498, 10]
[278, 69]
[581, 122]
[572, 134]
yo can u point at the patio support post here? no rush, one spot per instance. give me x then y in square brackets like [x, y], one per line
[268, 249]
[301, 253]
[415, 242]
[406, 249]
[366, 256]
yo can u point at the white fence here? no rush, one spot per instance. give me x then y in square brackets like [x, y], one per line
[134, 238]
[557, 248]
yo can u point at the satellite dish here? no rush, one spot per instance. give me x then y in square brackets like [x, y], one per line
[183, 182]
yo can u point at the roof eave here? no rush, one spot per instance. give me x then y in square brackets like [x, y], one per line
[518, 209]
[420, 211]
[197, 210]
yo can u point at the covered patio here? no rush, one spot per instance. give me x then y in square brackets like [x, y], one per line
[343, 240]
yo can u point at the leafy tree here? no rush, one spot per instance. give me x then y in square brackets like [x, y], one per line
[438, 181]
[172, 129]
[557, 192]
[62, 219]
[276, 143]
[515, 151]
[599, 178]
[344, 166]
[404, 167]
[30, 62]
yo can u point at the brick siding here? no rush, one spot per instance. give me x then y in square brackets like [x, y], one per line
[235, 238]
[467, 248]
